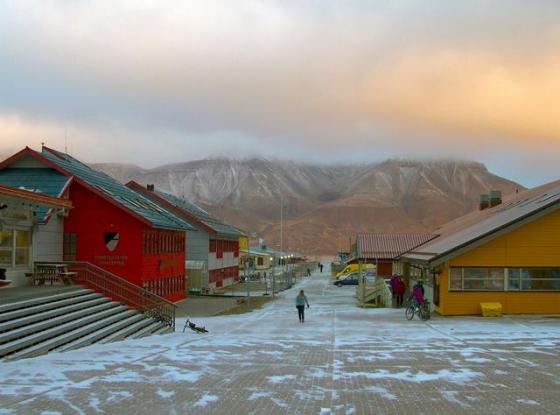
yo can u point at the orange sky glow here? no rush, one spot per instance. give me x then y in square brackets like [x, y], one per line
[336, 82]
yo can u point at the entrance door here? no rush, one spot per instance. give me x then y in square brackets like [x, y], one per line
[435, 281]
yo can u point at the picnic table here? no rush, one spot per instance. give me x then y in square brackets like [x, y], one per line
[51, 273]
[5, 283]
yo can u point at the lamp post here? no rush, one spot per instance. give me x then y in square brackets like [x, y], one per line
[281, 241]
[281, 223]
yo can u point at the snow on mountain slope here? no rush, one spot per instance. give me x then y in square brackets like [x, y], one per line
[324, 205]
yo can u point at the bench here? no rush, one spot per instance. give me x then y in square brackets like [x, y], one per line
[50, 273]
[5, 283]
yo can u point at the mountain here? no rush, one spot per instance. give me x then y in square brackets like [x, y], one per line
[324, 206]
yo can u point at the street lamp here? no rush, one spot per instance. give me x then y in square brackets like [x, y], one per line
[281, 223]
[281, 237]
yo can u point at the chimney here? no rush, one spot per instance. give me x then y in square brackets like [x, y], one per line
[484, 201]
[150, 187]
[495, 198]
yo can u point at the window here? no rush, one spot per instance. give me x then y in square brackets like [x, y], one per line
[219, 249]
[6, 248]
[494, 279]
[484, 279]
[534, 279]
[260, 261]
[23, 242]
[161, 242]
[456, 279]
[15, 248]
[476, 279]
[69, 247]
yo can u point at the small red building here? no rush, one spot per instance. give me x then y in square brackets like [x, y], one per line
[113, 227]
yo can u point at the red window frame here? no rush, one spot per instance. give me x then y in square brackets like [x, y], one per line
[219, 249]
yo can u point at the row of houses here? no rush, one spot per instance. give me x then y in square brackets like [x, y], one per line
[507, 252]
[137, 233]
[261, 258]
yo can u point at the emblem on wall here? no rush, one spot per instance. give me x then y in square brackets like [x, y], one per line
[111, 240]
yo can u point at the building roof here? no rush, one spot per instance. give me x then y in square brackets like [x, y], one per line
[272, 252]
[46, 181]
[480, 224]
[389, 246]
[258, 253]
[32, 198]
[218, 226]
[116, 191]
[103, 185]
[265, 251]
[188, 211]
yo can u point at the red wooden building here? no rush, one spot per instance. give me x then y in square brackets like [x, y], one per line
[213, 242]
[113, 227]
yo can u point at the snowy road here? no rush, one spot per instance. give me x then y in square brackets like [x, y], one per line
[343, 360]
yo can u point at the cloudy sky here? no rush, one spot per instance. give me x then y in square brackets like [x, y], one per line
[154, 82]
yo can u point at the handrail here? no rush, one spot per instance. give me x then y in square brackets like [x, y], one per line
[377, 290]
[386, 292]
[119, 289]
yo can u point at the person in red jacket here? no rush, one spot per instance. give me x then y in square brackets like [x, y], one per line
[400, 288]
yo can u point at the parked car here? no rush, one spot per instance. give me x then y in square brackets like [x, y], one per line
[350, 268]
[350, 279]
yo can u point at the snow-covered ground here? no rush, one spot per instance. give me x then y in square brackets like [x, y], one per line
[343, 360]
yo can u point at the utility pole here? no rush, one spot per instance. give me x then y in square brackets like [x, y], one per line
[281, 224]
[247, 284]
[282, 233]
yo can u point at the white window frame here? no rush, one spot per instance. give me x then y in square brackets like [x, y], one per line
[14, 230]
[506, 280]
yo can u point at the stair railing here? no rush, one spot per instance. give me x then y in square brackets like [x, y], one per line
[121, 290]
[376, 291]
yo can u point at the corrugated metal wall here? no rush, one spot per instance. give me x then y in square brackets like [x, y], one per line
[48, 240]
[197, 246]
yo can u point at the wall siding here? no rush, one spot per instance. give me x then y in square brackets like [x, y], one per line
[197, 246]
[48, 240]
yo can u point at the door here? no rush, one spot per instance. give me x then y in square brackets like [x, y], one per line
[435, 280]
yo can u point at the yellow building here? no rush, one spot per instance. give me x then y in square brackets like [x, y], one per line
[509, 254]
[244, 243]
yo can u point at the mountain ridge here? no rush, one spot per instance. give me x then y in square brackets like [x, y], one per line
[324, 205]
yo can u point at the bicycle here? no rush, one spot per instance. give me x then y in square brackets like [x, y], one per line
[422, 311]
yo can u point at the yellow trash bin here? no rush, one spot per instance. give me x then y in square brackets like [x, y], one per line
[491, 309]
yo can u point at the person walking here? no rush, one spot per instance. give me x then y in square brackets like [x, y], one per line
[301, 301]
[321, 267]
[400, 288]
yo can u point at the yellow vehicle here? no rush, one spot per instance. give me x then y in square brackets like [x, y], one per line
[355, 267]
